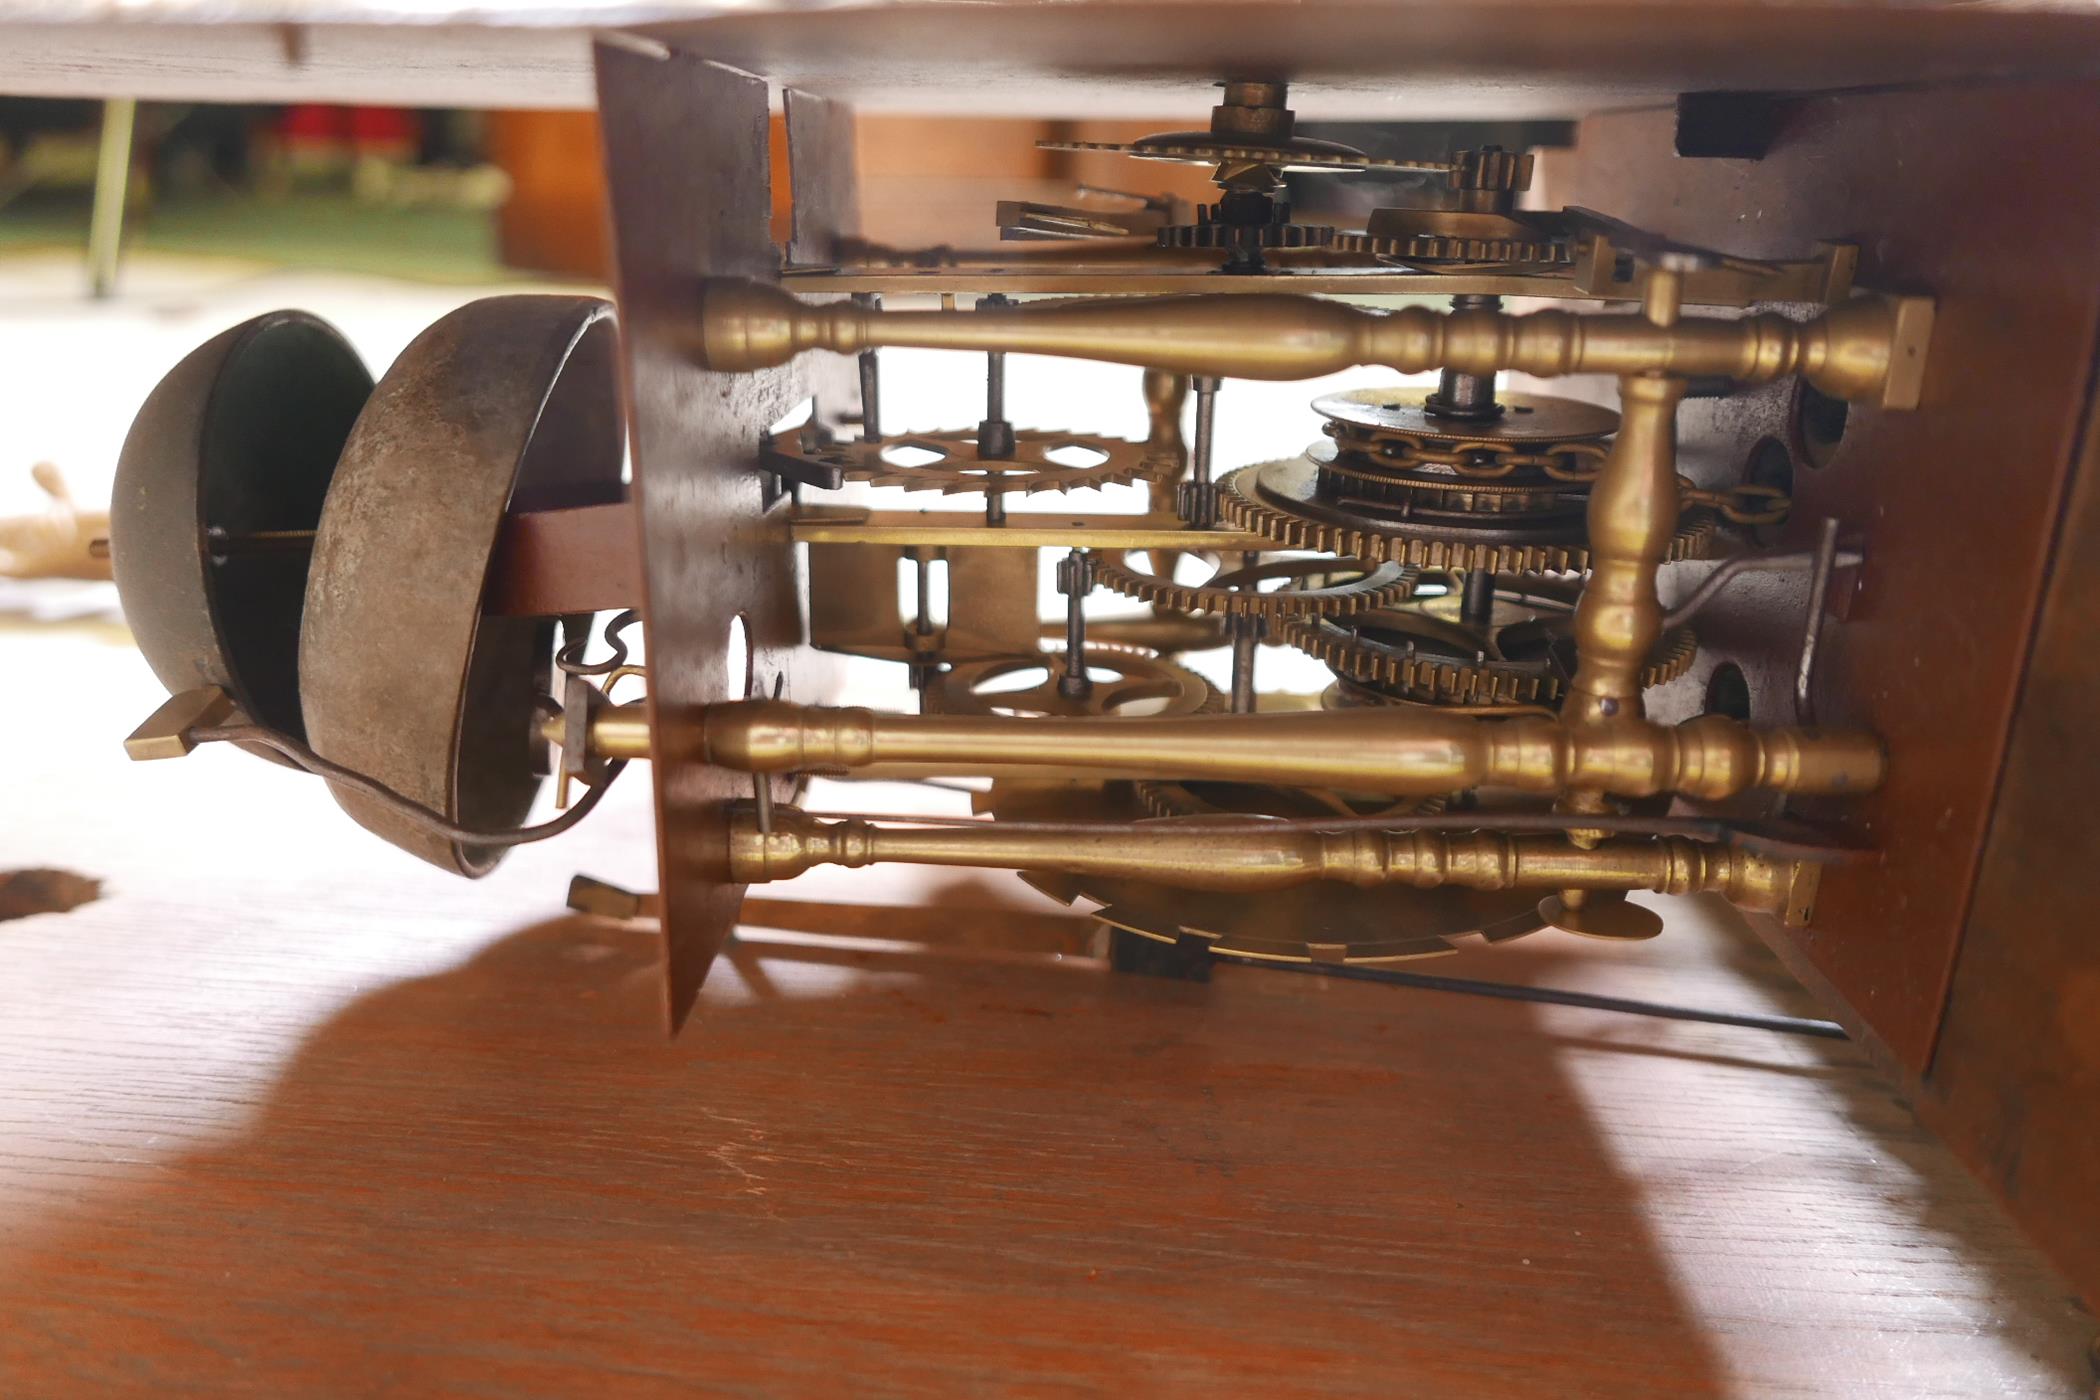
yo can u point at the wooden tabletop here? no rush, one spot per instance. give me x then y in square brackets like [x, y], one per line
[285, 1113]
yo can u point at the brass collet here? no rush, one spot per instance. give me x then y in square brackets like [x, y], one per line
[1870, 348]
[1257, 858]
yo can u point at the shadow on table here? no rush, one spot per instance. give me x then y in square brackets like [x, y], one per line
[875, 1170]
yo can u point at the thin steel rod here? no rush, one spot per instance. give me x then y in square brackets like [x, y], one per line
[1206, 387]
[1246, 643]
[1476, 603]
[870, 378]
[1466, 396]
[1553, 996]
[1812, 626]
[1789, 562]
[428, 818]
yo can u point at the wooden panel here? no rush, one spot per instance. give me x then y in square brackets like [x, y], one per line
[2015, 1085]
[1989, 198]
[554, 220]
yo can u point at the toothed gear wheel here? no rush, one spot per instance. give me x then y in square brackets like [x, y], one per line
[1323, 921]
[1134, 678]
[1491, 168]
[1423, 651]
[1224, 236]
[1309, 585]
[957, 468]
[1279, 500]
[1438, 249]
[1465, 237]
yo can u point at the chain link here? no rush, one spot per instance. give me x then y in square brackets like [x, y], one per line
[1571, 463]
[1746, 504]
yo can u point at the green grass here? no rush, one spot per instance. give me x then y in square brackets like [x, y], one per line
[306, 229]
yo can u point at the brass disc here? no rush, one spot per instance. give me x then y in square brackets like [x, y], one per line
[1311, 585]
[1124, 679]
[507, 403]
[1403, 411]
[1325, 921]
[238, 442]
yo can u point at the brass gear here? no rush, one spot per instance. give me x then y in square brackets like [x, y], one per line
[1237, 592]
[1141, 678]
[1421, 651]
[958, 468]
[1324, 921]
[1491, 168]
[1465, 238]
[1433, 249]
[1225, 237]
[1279, 501]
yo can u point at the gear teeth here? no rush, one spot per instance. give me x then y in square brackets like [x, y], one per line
[1447, 248]
[1491, 168]
[1376, 586]
[1449, 680]
[1370, 541]
[1225, 237]
[1379, 541]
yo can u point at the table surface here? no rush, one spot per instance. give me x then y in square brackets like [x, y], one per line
[283, 1112]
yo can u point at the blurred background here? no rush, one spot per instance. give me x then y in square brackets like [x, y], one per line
[130, 233]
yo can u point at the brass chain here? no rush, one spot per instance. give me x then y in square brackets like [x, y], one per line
[1746, 504]
[1573, 463]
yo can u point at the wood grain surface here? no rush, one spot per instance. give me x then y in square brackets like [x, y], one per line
[1933, 671]
[287, 1113]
